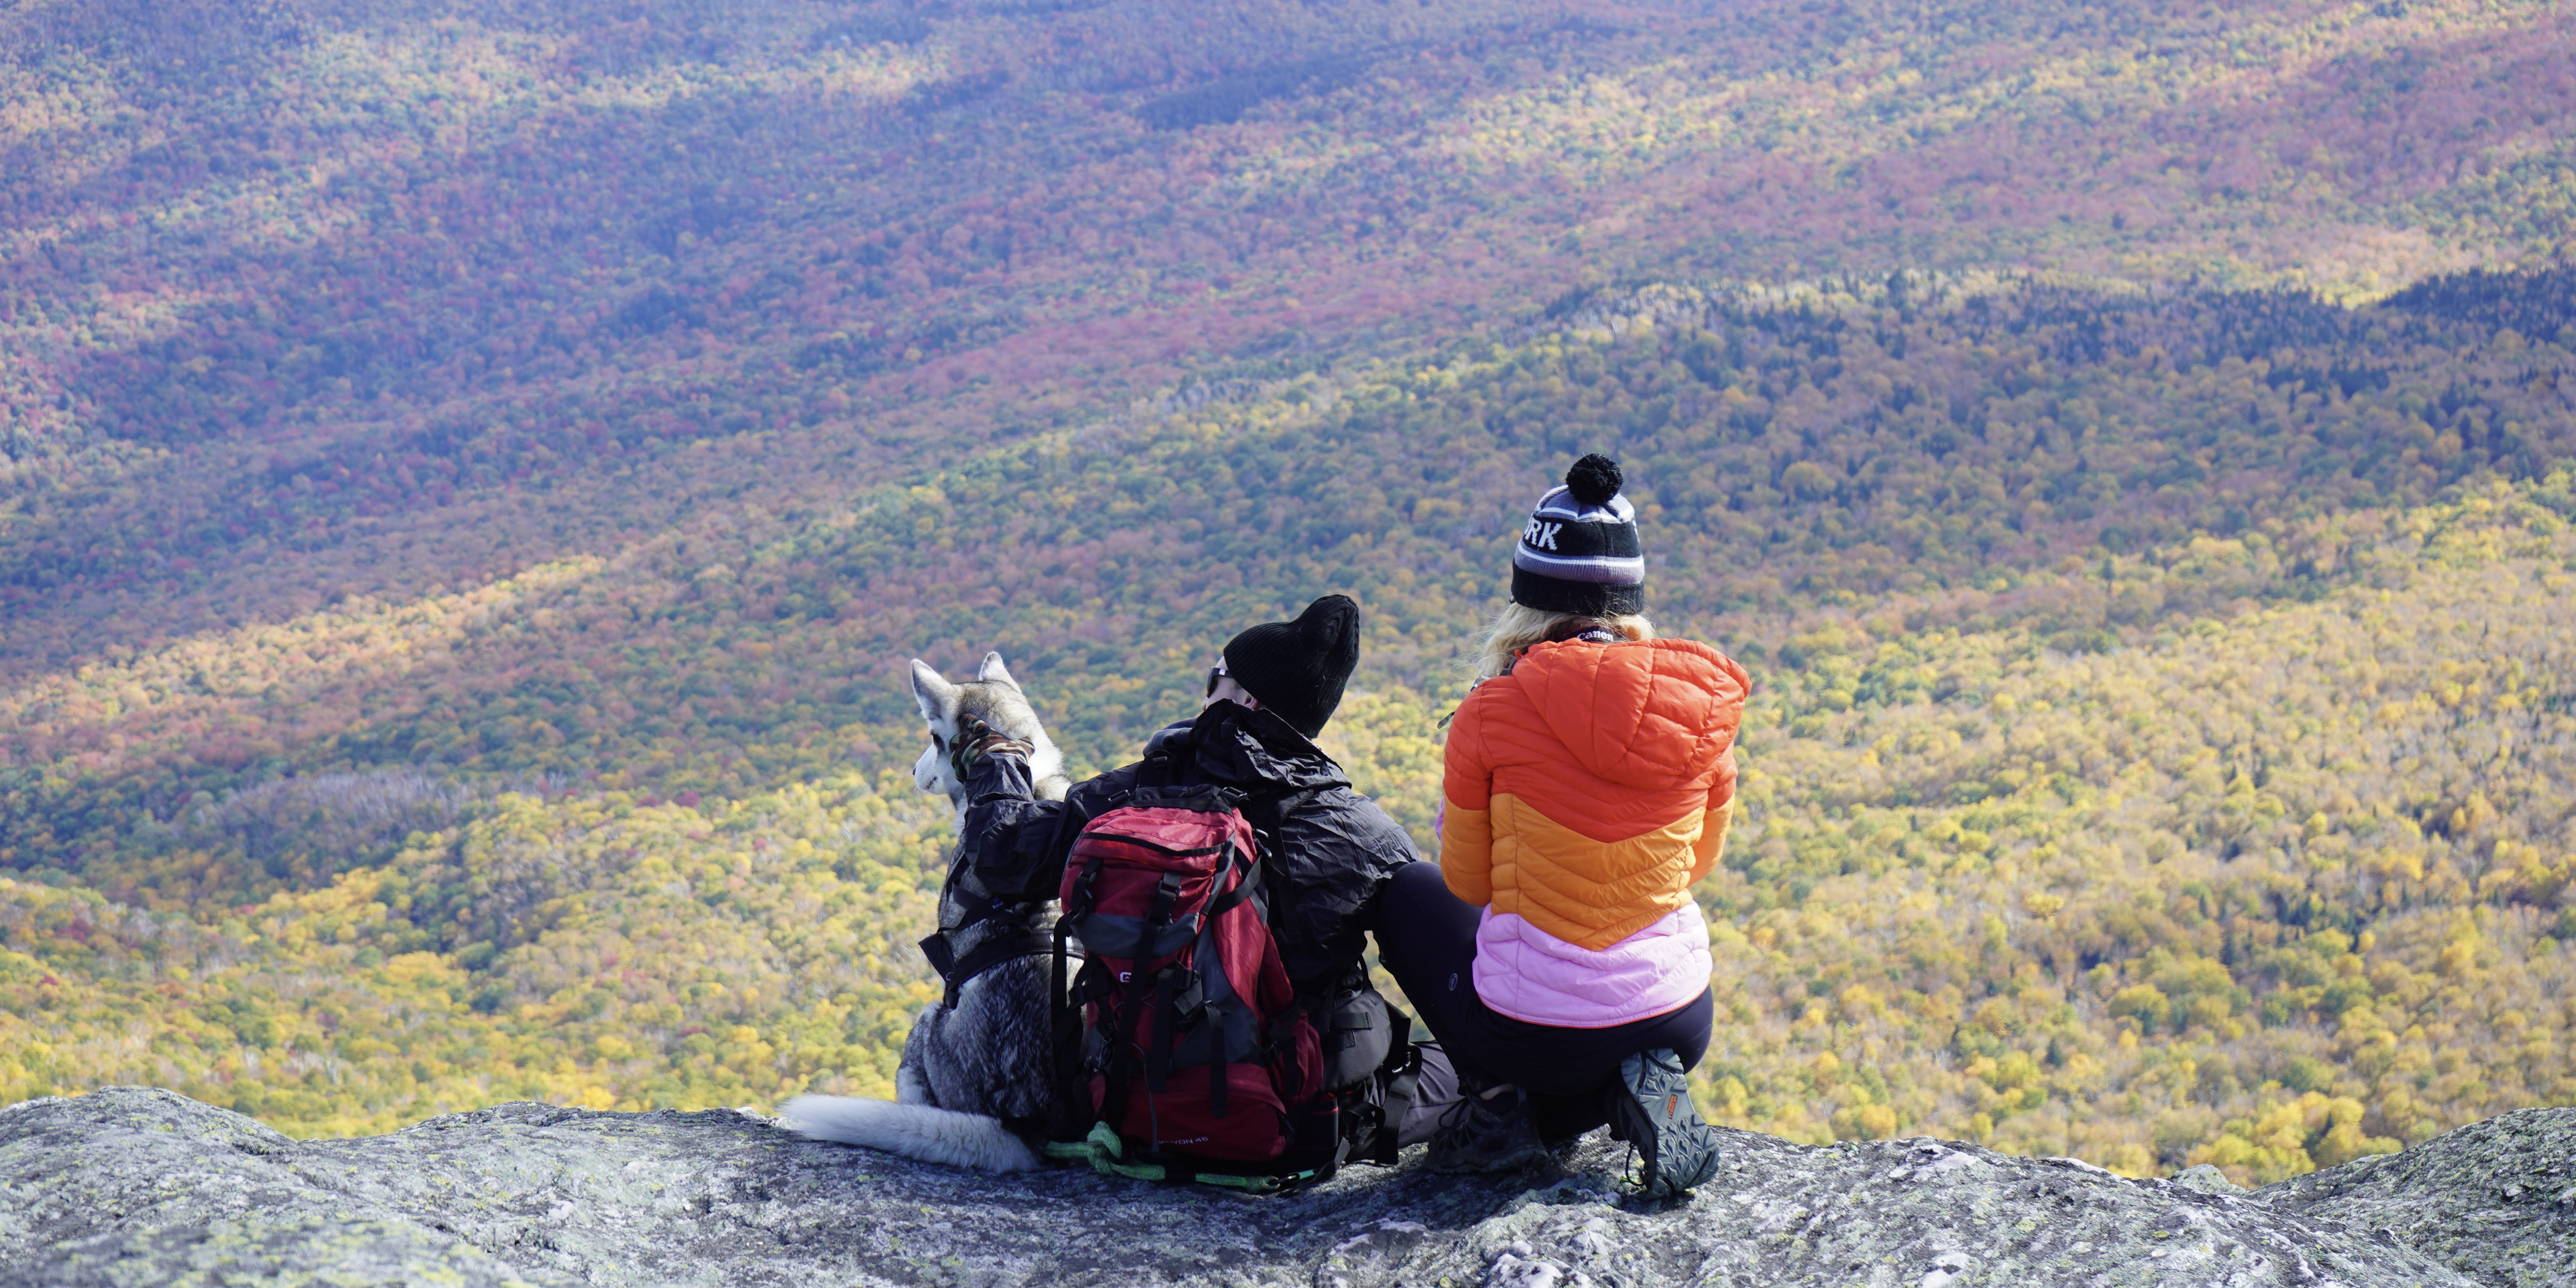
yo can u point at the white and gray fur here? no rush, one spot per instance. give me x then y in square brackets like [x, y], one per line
[972, 1071]
[995, 698]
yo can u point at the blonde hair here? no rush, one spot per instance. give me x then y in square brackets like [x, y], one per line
[1519, 626]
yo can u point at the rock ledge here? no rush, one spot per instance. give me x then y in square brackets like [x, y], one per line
[132, 1186]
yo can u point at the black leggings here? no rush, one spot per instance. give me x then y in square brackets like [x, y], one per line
[1426, 938]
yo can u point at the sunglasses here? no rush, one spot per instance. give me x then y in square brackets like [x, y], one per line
[1215, 673]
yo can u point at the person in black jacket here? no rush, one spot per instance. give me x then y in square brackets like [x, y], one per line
[1327, 851]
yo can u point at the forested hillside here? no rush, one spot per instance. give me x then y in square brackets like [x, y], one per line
[308, 301]
[474, 472]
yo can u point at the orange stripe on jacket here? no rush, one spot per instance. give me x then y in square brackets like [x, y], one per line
[1591, 786]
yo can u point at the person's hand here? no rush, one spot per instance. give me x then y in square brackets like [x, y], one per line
[975, 741]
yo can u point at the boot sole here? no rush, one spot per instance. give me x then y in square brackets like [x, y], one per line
[1685, 1148]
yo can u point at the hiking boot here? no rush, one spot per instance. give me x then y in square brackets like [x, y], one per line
[1486, 1130]
[1651, 1109]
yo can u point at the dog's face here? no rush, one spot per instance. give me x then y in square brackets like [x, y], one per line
[992, 697]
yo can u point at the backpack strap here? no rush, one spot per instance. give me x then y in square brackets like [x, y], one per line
[1216, 1086]
[1401, 1076]
[1246, 886]
[1158, 1062]
[1066, 1020]
[1121, 1060]
[1064, 1024]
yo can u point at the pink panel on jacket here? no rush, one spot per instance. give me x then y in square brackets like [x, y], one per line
[1528, 974]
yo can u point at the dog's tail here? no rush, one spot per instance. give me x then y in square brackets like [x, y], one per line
[930, 1134]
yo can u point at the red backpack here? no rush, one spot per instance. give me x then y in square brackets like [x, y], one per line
[1196, 1051]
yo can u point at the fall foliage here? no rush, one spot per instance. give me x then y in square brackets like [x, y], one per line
[471, 475]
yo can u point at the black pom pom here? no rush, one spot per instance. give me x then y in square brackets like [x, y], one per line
[1594, 479]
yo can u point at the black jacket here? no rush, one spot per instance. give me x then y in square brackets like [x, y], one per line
[1324, 860]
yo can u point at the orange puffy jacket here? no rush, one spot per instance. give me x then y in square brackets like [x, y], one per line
[1589, 787]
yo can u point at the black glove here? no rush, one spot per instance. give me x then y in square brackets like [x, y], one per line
[975, 741]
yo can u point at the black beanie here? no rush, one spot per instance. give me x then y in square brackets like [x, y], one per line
[1298, 668]
[1579, 553]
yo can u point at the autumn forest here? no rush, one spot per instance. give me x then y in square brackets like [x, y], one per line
[472, 474]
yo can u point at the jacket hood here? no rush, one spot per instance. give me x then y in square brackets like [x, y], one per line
[1232, 747]
[1636, 711]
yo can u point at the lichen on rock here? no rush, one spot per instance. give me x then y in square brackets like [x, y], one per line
[140, 1186]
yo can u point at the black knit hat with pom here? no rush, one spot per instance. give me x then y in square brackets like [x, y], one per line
[1298, 668]
[1579, 553]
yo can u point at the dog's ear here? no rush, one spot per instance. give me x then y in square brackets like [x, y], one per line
[938, 698]
[993, 672]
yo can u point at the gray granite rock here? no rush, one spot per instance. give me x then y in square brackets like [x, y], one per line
[134, 1186]
[2494, 1200]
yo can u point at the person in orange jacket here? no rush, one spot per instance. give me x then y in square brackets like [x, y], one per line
[1554, 949]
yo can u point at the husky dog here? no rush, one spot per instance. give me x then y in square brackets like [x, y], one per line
[977, 1077]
